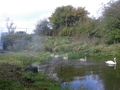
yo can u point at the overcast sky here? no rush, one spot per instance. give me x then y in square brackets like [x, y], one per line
[26, 13]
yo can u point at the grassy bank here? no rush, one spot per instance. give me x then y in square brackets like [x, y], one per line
[13, 78]
[78, 47]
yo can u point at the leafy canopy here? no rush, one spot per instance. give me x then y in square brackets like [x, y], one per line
[67, 16]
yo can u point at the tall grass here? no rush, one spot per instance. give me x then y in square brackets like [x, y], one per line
[80, 46]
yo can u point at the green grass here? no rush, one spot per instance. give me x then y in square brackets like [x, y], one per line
[13, 78]
[24, 57]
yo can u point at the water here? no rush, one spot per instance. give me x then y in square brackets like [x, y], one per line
[93, 74]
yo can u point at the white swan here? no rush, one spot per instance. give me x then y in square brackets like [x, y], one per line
[111, 62]
[83, 59]
[65, 57]
[56, 56]
[52, 55]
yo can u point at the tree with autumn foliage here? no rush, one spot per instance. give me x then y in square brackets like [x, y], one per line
[68, 16]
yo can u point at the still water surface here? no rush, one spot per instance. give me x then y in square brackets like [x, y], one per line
[93, 74]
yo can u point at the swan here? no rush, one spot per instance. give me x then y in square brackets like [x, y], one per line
[52, 55]
[65, 57]
[83, 59]
[56, 56]
[111, 62]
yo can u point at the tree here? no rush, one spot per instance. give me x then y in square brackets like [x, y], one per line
[67, 16]
[10, 26]
[111, 18]
[43, 27]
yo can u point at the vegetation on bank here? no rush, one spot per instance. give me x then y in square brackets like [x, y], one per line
[12, 77]
[75, 22]
[74, 46]
[11, 62]
[71, 30]
[75, 34]
[39, 50]
[79, 47]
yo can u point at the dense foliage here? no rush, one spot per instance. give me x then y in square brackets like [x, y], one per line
[67, 16]
[111, 19]
[70, 21]
[73, 22]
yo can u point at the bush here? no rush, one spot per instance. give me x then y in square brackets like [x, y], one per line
[67, 31]
[16, 41]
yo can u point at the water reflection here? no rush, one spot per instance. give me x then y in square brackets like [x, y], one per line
[92, 75]
[88, 82]
[85, 77]
[110, 65]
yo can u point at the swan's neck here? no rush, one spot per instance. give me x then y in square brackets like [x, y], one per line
[115, 61]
